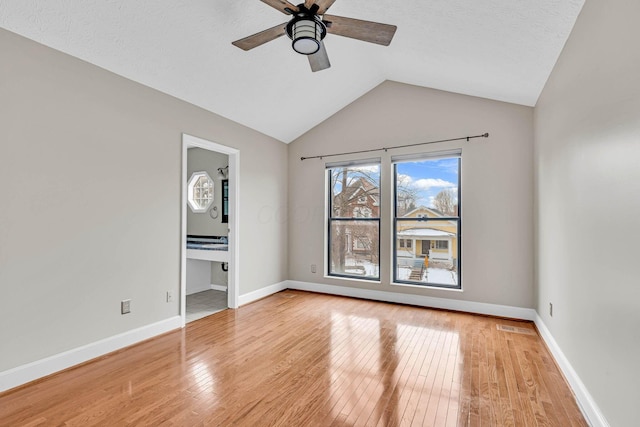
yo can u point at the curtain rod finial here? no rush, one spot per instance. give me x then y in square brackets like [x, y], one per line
[486, 135]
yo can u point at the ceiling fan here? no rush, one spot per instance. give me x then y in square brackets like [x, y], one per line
[310, 25]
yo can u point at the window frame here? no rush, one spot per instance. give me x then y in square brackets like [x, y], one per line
[331, 219]
[195, 203]
[423, 218]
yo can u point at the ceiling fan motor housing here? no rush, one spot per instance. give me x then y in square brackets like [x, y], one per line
[307, 31]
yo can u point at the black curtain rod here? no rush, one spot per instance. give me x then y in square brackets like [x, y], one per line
[484, 135]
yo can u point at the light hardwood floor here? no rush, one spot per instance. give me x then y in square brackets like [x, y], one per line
[303, 359]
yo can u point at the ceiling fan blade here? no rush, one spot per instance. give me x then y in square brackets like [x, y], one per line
[323, 5]
[319, 60]
[260, 38]
[372, 32]
[281, 5]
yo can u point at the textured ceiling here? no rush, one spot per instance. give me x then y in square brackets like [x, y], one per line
[496, 49]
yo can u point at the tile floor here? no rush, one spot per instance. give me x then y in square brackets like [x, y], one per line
[205, 303]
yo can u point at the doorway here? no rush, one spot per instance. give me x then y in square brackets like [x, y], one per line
[228, 260]
[426, 246]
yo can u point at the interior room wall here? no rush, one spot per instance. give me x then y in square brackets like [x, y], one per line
[587, 175]
[497, 186]
[90, 177]
[202, 223]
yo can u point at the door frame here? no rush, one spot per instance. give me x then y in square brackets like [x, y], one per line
[189, 141]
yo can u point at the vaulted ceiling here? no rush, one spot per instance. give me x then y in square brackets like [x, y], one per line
[496, 49]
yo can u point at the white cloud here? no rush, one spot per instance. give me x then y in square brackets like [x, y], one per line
[429, 183]
[405, 179]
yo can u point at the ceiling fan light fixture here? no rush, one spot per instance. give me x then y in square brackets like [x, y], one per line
[306, 32]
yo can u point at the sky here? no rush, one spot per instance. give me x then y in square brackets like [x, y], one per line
[430, 177]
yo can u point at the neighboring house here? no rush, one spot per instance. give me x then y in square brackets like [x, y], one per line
[361, 199]
[420, 239]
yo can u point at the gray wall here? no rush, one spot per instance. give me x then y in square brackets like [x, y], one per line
[497, 186]
[587, 168]
[90, 201]
[202, 223]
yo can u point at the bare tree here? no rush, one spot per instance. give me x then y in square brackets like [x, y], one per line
[445, 201]
[366, 236]
[349, 186]
[406, 195]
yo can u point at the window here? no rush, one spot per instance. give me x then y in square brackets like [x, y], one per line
[225, 201]
[442, 244]
[427, 210]
[354, 226]
[200, 192]
[405, 243]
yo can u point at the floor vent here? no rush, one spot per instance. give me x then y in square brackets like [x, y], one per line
[516, 330]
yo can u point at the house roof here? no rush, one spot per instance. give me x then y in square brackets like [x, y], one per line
[361, 185]
[499, 49]
[434, 211]
[424, 232]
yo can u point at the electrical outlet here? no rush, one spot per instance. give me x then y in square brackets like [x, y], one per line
[551, 309]
[313, 268]
[169, 296]
[125, 306]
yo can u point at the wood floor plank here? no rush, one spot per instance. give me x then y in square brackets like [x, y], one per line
[298, 358]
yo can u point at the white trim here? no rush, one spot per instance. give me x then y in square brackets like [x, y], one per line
[262, 292]
[356, 162]
[222, 288]
[419, 300]
[427, 155]
[47, 366]
[189, 141]
[205, 255]
[587, 404]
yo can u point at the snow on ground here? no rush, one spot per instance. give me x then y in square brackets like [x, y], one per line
[361, 268]
[440, 276]
[404, 273]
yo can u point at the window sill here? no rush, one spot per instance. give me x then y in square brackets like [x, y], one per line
[430, 287]
[353, 279]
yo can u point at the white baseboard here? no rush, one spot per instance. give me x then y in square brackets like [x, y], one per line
[219, 288]
[419, 300]
[261, 293]
[588, 406]
[41, 368]
[194, 290]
